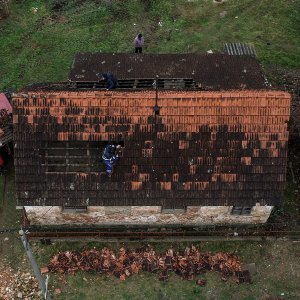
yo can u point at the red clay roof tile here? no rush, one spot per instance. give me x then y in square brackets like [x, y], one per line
[199, 142]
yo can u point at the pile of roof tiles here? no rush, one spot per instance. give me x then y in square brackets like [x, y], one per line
[129, 262]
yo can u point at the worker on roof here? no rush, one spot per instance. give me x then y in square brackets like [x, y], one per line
[110, 80]
[110, 157]
[138, 43]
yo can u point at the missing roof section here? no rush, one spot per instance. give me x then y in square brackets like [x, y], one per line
[72, 156]
[146, 83]
[207, 72]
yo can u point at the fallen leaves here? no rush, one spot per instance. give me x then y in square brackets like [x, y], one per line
[187, 264]
[17, 285]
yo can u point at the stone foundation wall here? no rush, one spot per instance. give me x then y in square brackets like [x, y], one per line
[144, 215]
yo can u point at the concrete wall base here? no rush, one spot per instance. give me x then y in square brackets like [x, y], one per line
[144, 215]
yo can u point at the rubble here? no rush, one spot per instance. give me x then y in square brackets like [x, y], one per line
[57, 291]
[201, 282]
[187, 265]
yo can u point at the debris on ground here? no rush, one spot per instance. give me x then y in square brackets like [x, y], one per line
[187, 265]
[201, 282]
[223, 14]
[57, 291]
[34, 10]
[18, 285]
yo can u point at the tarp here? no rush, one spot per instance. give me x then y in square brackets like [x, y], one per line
[4, 103]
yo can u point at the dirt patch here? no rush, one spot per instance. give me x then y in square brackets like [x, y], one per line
[4, 12]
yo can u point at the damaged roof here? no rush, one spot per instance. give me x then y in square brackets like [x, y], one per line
[209, 72]
[202, 148]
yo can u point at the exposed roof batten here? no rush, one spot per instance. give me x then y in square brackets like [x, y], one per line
[209, 72]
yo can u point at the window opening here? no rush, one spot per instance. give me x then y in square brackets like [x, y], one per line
[72, 208]
[172, 208]
[241, 210]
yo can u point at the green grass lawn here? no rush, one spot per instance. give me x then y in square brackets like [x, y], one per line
[11, 249]
[277, 273]
[39, 47]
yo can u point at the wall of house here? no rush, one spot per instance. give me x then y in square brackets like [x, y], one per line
[144, 215]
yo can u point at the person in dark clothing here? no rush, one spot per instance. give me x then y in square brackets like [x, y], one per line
[110, 157]
[110, 80]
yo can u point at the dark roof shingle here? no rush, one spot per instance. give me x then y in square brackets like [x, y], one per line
[210, 72]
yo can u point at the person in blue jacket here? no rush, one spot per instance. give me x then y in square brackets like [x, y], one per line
[110, 157]
[110, 80]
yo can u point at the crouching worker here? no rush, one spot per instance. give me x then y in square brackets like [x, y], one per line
[110, 157]
[110, 80]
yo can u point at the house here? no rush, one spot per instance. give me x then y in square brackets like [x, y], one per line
[204, 142]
